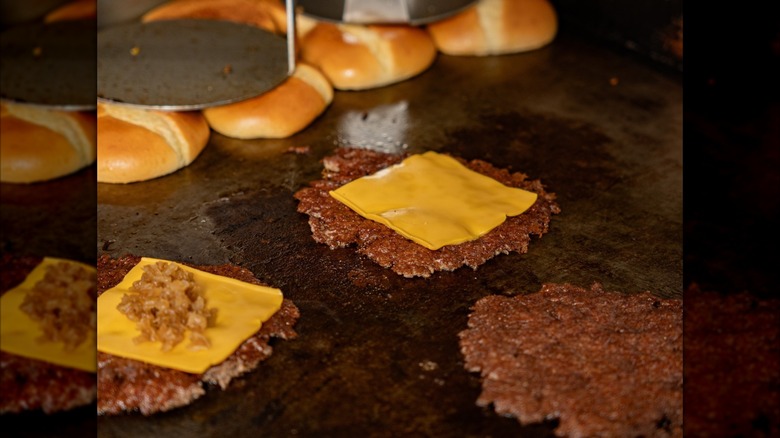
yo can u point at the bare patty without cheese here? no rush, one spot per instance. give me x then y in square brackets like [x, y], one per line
[29, 384]
[732, 364]
[602, 363]
[337, 226]
[127, 385]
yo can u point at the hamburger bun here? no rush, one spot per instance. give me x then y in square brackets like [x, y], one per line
[496, 27]
[139, 144]
[75, 10]
[40, 144]
[355, 57]
[278, 113]
[266, 14]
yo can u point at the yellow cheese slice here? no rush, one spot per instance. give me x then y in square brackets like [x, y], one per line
[242, 309]
[19, 333]
[434, 200]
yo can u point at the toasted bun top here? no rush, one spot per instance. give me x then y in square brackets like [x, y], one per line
[75, 10]
[129, 153]
[278, 113]
[186, 132]
[39, 144]
[493, 27]
[79, 128]
[266, 14]
[261, 13]
[139, 144]
[357, 57]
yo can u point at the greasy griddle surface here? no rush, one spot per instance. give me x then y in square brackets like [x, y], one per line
[52, 218]
[378, 353]
[56, 219]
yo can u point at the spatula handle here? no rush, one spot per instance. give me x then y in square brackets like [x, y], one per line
[291, 34]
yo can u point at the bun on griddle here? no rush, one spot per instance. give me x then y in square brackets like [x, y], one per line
[138, 144]
[357, 57]
[278, 113]
[75, 10]
[39, 144]
[266, 14]
[496, 27]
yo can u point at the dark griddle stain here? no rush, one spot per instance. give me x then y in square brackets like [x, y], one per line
[578, 162]
[537, 144]
[372, 336]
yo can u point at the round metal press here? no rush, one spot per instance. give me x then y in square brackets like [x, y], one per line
[414, 12]
[51, 65]
[188, 64]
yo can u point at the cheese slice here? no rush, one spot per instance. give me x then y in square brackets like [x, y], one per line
[242, 309]
[19, 334]
[434, 200]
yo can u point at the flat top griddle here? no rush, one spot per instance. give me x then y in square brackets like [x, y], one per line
[376, 352]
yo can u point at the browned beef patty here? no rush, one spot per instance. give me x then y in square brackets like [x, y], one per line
[29, 384]
[732, 364]
[601, 363]
[336, 225]
[126, 385]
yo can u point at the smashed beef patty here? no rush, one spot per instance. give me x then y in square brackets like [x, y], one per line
[127, 385]
[732, 364]
[601, 363]
[337, 226]
[29, 384]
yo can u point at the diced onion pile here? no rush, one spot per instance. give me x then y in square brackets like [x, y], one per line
[167, 303]
[63, 303]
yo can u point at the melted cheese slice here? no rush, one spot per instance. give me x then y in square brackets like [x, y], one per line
[242, 309]
[434, 200]
[19, 334]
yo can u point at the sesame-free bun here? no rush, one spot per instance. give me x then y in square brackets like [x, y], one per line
[496, 27]
[359, 57]
[39, 144]
[352, 57]
[75, 10]
[278, 113]
[266, 14]
[136, 144]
